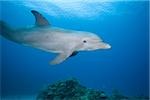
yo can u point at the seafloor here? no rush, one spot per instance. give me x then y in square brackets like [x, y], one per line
[71, 89]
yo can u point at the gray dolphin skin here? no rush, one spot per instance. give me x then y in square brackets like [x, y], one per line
[43, 36]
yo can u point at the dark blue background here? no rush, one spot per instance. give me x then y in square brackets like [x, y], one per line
[124, 67]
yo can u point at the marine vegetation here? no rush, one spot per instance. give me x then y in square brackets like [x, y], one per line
[70, 90]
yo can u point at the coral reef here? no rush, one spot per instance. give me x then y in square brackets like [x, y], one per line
[70, 90]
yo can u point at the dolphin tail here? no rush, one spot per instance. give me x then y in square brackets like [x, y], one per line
[5, 30]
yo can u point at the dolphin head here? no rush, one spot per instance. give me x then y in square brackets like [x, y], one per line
[91, 41]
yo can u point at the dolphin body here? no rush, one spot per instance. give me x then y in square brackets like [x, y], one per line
[65, 42]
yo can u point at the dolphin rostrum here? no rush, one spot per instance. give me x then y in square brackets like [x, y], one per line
[65, 42]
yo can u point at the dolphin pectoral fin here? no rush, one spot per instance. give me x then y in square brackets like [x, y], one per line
[60, 58]
[40, 20]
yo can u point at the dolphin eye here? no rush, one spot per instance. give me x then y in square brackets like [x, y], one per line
[84, 41]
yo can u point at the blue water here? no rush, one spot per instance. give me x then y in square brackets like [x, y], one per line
[124, 25]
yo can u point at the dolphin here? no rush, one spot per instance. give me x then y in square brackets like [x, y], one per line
[43, 36]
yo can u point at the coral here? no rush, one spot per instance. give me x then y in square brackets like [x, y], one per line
[70, 90]
[116, 95]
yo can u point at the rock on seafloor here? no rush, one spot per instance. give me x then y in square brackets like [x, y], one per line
[70, 90]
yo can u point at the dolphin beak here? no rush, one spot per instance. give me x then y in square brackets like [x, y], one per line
[104, 46]
[107, 46]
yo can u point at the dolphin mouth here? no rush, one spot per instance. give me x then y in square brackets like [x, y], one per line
[100, 46]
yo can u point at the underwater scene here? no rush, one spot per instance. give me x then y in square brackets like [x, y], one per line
[74, 50]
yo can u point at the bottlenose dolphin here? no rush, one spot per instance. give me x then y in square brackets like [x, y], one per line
[65, 42]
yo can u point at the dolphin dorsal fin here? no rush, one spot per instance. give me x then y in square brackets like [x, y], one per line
[40, 20]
